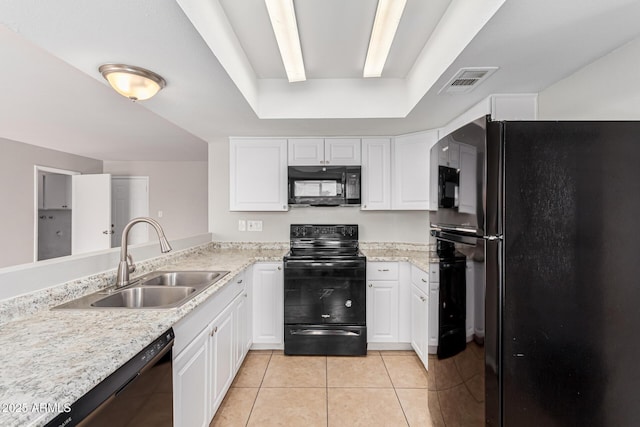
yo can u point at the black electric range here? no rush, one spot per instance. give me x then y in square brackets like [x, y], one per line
[324, 291]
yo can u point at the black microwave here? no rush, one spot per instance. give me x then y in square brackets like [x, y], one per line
[324, 185]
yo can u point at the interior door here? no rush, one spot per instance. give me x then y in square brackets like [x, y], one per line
[91, 213]
[129, 199]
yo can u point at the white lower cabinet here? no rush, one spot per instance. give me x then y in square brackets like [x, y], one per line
[420, 312]
[382, 302]
[382, 311]
[419, 324]
[204, 366]
[268, 305]
[191, 385]
[222, 360]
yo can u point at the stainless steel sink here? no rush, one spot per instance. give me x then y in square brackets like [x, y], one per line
[179, 278]
[159, 289]
[146, 296]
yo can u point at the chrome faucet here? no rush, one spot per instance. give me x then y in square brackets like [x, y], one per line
[126, 264]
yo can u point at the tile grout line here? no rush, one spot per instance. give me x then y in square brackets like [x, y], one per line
[394, 390]
[259, 388]
[326, 384]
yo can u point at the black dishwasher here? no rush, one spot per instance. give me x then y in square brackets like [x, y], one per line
[140, 392]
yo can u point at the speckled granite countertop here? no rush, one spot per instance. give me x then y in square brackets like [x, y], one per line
[53, 357]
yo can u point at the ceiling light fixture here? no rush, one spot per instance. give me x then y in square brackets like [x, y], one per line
[133, 82]
[384, 29]
[283, 21]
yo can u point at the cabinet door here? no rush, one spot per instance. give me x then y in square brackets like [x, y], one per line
[382, 311]
[419, 323]
[258, 174]
[305, 151]
[410, 172]
[268, 304]
[376, 174]
[467, 197]
[190, 384]
[222, 360]
[342, 151]
[240, 339]
[57, 191]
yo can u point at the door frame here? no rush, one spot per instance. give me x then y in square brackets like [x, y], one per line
[36, 170]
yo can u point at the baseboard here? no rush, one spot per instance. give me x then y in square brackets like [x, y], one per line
[386, 346]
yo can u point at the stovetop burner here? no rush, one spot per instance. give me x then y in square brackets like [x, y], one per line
[324, 241]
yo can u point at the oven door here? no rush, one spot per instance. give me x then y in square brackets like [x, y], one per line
[324, 292]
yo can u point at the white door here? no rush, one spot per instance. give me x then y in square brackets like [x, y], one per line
[419, 323]
[258, 174]
[410, 171]
[342, 151]
[382, 311]
[91, 213]
[268, 304]
[305, 151]
[376, 174]
[190, 384]
[222, 363]
[129, 199]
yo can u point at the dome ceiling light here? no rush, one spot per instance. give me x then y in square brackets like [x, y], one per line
[136, 83]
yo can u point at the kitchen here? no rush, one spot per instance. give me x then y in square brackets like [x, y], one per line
[195, 140]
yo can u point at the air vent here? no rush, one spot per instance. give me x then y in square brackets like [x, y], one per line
[466, 79]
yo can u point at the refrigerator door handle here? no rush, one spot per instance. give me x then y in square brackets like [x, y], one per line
[493, 238]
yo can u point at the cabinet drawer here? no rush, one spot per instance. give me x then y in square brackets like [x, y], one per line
[434, 273]
[420, 279]
[382, 271]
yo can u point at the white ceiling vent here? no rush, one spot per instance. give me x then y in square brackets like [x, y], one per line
[466, 79]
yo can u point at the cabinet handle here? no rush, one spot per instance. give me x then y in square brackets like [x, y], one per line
[364, 206]
[383, 269]
[245, 295]
[284, 207]
[322, 162]
[423, 299]
[240, 281]
[371, 285]
[326, 162]
[279, 268]
[423, 279]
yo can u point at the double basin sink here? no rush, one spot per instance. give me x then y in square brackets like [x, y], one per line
[160, 289]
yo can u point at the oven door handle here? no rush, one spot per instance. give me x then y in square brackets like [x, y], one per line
[335, 263]
[340, 332]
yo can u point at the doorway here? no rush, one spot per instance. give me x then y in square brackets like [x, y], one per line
[129, 199]
[52, 223]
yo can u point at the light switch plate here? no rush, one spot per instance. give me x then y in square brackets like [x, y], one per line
[242, 225]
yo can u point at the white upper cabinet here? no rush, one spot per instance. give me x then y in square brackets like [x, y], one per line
[410, 170]
[342, 151]
[324, 151]
[258, 174]
[306, 151]
[56, 191]
[376, 174]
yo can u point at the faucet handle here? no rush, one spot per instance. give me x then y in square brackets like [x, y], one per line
[131, 266]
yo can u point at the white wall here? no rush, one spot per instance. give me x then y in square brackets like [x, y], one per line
[606, 89]
[383, 226]
[17, 186]
[178, 189]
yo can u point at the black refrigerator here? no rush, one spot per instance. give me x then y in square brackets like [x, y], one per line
[552, 209]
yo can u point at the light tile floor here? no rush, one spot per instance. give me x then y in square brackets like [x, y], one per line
[385, 388]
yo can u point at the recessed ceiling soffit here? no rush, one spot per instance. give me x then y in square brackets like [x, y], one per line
[334, 36]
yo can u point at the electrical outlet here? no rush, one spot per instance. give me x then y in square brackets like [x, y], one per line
[242, 225]
[254, 225]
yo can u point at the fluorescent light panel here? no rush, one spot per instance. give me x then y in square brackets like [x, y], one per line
[283, 21]
[388, 16]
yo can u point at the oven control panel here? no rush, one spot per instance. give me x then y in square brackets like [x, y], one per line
[338, 232]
